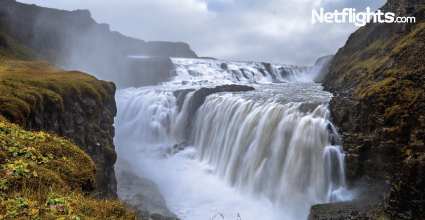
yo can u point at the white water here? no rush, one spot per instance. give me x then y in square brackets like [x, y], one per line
[204, 71]
[265, 154]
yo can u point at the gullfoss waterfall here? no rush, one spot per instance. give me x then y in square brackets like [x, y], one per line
[268, 153]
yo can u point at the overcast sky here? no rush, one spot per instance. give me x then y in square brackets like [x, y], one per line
[276, 31]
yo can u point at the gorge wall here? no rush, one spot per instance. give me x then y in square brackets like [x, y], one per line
[89, 124]
[379, 106]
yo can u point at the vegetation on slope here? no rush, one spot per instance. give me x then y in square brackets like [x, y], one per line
[47, 177]
[43, 176]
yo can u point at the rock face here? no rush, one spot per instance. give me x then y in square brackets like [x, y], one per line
[201, 94]
[199, 98]
[269, 69]
[367, 205]
[379, 104]
[142, 194]
[90, 126]
[73, 40]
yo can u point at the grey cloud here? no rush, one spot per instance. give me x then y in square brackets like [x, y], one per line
[270, 30]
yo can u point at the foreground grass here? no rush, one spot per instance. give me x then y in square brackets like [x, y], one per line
[46, 177]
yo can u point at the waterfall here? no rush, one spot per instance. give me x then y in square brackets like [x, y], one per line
[268, 148]
[245, 155]
[209, 71]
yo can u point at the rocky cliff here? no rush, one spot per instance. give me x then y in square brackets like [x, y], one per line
[379, 106]
[89, 124]
[74, 105]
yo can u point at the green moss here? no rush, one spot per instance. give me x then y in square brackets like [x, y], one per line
[96, 128]
[409, 39]
[372, 89]
[108, 112]
[110, 156]
[103, 133]
[361, 64]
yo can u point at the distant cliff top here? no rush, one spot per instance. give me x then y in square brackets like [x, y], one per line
[51, 31]
[74, 41]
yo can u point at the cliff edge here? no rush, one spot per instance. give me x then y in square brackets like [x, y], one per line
[378, 81]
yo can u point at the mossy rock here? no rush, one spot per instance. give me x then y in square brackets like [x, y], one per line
[28, 87]
[110, 156]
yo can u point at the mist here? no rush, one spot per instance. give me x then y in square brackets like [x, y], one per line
[74, 41]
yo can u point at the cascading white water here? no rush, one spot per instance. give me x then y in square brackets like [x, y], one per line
[208, 71]
[271, 149]
[266, 154]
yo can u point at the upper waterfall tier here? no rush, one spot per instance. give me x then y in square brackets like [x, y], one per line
[204, 71]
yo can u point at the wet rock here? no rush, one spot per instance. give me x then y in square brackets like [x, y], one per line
[262, 72]
[179, 147]
[268, 67]
[201, 94]
[223, 66]
[143, 195]
[181, 96]
[367, 205]
[243, 73]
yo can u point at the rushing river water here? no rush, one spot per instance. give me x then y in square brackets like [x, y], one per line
[270, 153]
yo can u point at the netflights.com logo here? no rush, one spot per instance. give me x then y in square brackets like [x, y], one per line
[360, 18]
